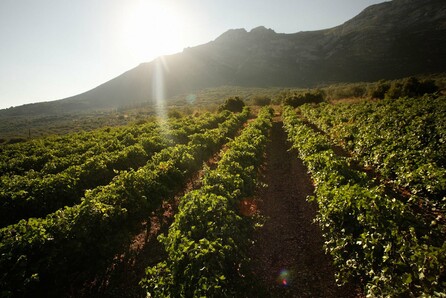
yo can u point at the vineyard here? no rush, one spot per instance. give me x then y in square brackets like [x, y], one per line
[374, 174]
[374, 234]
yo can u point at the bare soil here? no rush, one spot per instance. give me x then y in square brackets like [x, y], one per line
[121, 278]
[288, 256]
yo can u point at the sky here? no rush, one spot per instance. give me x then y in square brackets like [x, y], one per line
[53, 49]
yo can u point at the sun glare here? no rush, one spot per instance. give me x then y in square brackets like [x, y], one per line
[151, 29]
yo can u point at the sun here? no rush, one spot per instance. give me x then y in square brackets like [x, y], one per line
[150, 29]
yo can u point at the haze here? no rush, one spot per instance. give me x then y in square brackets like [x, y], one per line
[52, 49]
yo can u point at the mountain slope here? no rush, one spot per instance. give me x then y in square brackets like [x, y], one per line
[388, 40]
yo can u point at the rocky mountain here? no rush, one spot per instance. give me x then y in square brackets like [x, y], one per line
[389, 40]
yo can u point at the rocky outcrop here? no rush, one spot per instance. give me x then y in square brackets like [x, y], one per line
[388, 40]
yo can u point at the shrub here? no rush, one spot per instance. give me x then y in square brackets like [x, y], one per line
[16, 140]
[174, 114]
[261, 100]
[296, 100]
[379, 90]
[233, 104]
[411, 87]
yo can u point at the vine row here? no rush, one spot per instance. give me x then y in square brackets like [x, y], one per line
[371, 236]
[404, 140]
[35, 194]
[207, 243]
[43, 254]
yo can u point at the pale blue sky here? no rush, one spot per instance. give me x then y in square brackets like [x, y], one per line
[52, 49]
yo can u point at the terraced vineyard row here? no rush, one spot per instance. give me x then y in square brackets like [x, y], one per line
[208, 241]
[35, 194]
[45, 252]
[404, 140]
[376, 237]
[51, 155]
[372, 236]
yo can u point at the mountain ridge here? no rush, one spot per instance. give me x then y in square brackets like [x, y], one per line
[389, 40]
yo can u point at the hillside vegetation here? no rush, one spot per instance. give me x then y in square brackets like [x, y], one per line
[389, 40]
[72, 205]
[19, 128]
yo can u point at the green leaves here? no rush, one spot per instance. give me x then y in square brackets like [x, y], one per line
[87, 235]
[402, 139]
[101, 157]
[207, 241]
[370, 235]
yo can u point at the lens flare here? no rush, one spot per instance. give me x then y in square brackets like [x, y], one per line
[158, 87]
[158, 92]
[190, 99]
[284, 277]
[248, 207]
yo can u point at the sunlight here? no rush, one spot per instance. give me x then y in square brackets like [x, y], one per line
[148, 30]
[160, 68]
[151, 28]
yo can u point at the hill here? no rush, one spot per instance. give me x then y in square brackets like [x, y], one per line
[385, 41]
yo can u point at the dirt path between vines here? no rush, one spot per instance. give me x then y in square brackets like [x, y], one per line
[288, 256]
